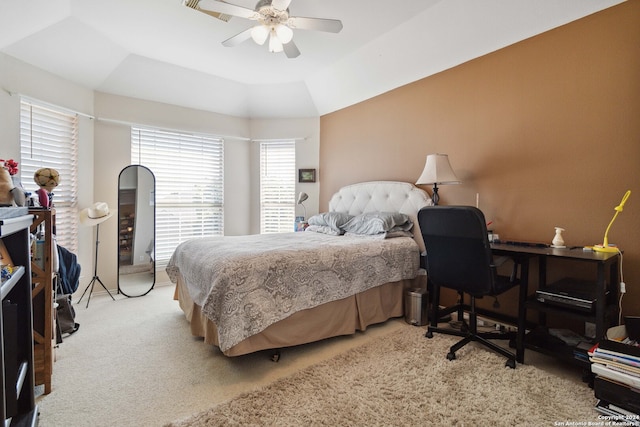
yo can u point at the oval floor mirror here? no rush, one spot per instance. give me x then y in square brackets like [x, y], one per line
[136, 231]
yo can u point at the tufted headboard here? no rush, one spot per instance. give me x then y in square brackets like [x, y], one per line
[383, 196]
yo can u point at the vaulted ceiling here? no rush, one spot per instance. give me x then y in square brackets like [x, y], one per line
[163, 51]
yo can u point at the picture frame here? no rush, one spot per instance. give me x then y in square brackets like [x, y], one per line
[306, 175]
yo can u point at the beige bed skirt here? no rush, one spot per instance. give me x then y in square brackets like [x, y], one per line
[342, 317]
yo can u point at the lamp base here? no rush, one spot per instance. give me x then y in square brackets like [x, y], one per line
[607, 249]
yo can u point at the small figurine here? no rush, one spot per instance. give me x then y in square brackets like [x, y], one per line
[6, 185]
[11, 192]
[558, 241]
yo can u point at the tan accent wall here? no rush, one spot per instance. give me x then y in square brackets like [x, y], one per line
[545, 133]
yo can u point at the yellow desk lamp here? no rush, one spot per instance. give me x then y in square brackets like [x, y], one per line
[604, 247]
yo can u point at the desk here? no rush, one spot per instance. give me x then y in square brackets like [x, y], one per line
[606, 308]
[521, 258]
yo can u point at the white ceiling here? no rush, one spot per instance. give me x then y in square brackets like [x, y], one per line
[162, 51]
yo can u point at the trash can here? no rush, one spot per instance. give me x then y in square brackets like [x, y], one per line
[416, 306]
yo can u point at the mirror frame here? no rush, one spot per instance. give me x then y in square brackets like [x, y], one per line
[153, 192]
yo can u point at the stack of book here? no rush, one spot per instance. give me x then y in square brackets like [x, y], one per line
[617, 382]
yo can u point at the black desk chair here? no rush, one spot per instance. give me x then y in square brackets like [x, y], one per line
[458, 256]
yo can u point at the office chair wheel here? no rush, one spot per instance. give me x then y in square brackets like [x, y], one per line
[451, 356]
[510, 363]
[429, 334]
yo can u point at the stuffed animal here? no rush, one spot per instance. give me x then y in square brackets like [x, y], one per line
[6, 185]
[10, 195]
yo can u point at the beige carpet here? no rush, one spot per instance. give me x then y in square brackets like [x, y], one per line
[405, 380]
[134, 363]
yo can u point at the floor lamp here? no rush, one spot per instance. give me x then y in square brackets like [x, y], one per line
[95, 215]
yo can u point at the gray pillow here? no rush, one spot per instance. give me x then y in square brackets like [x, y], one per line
[323, 229]
[378, 222]
[333, 220]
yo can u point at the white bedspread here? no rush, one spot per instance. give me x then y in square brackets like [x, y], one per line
[246, 283]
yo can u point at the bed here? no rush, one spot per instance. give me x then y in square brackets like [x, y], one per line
[267, 292]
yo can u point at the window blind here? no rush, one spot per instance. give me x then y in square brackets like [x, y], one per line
[189, 171]
[277, 186]
[49, 138]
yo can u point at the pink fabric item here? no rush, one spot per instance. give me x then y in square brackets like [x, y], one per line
[43, 197]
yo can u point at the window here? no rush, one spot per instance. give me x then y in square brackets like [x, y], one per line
[189, 171]
[277, 186]
[49, 138]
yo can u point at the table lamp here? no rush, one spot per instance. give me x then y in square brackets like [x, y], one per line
[301, 198]
[437, 170]
[604, 247]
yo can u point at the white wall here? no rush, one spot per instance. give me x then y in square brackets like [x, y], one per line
[19, 78]
[104, 149]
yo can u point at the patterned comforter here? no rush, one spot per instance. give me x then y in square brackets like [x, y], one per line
[246, 283]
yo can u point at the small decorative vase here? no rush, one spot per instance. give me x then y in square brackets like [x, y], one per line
[18, 192]
[19, 197]
[16, 181]
[558, 241]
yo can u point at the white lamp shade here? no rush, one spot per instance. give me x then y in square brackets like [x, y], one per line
[302, 197]
[259, 34]
[438, 170]
[285, 34]
[275, 45]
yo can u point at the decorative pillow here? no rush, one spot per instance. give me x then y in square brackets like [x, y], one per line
[333, 220]
[323, 229]
[378, 222]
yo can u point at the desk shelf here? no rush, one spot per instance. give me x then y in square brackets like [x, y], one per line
[534, 304]
[604, 314]
[541, 341]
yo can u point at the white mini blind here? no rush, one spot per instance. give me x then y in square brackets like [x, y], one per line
[277, 186]
[49, 139]
[189, 171]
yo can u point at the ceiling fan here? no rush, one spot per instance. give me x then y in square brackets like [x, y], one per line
[274, 23]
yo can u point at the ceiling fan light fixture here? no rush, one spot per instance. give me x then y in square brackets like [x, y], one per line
[285, 34]
[273, 21]
[275, 45]
[259, 34]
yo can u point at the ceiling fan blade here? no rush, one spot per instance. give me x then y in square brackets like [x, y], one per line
[228, 8]
[318, 24]
[193, 4]
[238, 38]
[291, 50]
[280, 4]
